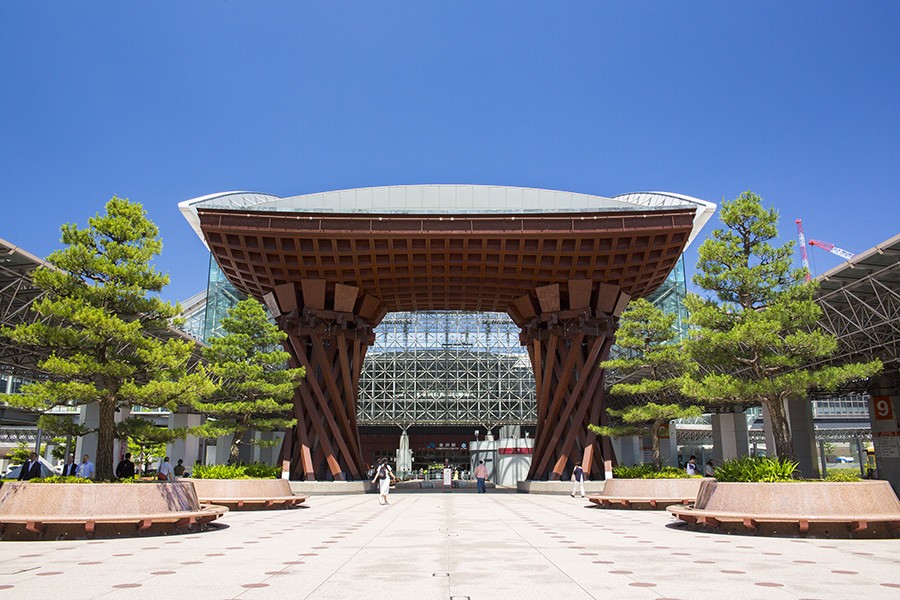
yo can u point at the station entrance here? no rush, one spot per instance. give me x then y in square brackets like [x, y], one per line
[330, 267]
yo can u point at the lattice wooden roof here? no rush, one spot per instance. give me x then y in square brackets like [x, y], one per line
[442, 262]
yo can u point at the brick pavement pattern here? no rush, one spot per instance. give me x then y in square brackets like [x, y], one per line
[451, 546]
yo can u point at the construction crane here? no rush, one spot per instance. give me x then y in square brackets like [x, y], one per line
[803, 255]
[846, 255]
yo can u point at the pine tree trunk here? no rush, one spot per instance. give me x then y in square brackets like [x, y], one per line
[106, 436]
[654, 440]
[781, 431]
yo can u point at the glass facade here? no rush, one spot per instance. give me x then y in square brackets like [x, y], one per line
[221, 296]
[459, 368]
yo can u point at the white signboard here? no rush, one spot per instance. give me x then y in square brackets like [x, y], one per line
[887, 444]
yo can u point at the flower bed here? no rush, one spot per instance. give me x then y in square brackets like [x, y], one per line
[74, 510]
[816, 508]
[247, 494]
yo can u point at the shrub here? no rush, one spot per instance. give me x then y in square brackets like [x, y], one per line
[756, 469]
[262, 471]
[845, 475]
[648, 472]
[251, 471]
[60, 479]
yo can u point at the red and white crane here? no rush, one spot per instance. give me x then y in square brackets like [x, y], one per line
[845, 254]
[804, 257]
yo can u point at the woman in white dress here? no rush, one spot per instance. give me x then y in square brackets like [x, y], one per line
[383, 477]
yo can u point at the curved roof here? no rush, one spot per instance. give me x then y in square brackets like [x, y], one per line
[448, 199]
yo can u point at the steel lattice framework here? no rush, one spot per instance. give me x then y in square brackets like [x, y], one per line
[861, 304]
[17, 295]
[451, 367]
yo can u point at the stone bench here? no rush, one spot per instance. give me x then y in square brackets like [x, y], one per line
[247, 494]
[653, 494]
[70, 510]
[833, 509]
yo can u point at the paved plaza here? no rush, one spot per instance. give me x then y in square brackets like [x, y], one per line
[451, 546]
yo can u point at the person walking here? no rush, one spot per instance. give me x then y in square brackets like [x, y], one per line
[481, 476]
[165, 472]
[86, 468]
[383, 477]
[31, 469]
[577, 479]
[691, 467]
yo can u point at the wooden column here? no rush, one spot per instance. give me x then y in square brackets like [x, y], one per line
[568, 329]
[329, 327]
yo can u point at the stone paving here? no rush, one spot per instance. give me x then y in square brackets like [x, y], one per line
[451, 546]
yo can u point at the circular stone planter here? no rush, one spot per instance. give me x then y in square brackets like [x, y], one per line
[820, 509]
[247, 494]
[647, 494]
[78, 510]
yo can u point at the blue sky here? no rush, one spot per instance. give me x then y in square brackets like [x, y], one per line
[161, 102]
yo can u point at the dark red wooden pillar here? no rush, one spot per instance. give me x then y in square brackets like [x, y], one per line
[568, 330]
[330, 328]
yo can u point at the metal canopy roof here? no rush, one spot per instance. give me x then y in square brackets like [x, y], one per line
[17, 293]
[861, 302]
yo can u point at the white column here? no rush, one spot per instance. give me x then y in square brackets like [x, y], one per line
[88, 416]
[188, 448]
[223, 449]
[631, 450]
[730, 436]
[668, 448]
[803, 435]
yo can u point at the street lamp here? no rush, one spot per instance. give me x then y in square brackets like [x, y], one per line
[476, 434]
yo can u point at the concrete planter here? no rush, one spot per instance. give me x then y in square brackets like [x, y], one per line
[73, 510]
[647, 494]
[247, 494]
[829, 509]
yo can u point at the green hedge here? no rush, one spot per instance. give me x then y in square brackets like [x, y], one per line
[250, 471]
[845, 475]
[60, 479]
[756, 469]
[647, 472]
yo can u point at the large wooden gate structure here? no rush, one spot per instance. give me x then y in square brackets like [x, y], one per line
[563, 274]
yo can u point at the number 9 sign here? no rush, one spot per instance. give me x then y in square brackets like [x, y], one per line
[883, 409]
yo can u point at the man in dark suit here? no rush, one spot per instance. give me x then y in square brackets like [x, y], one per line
[31, 469]
[70, 468]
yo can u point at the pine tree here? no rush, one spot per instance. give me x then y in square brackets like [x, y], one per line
[146, 437]
[650, 351]
[758, 328]
[100, 320]
[254, 391]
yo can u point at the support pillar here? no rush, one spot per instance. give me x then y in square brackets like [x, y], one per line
[884, 413]
[568, 329]
[88, 416]
[803, 435]
[188, 448]
[630, 449]
[730, 436]
[329, 327]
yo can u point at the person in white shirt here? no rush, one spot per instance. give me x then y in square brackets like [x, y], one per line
[86, 468]
[577, 479]
[165, 472]
[383, 476]
[691, 467]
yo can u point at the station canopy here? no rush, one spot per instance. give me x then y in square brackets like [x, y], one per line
[447, 247]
